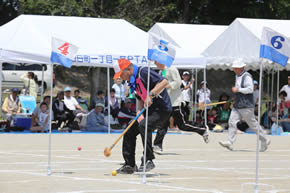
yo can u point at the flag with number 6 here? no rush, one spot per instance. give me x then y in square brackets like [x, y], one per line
[62, 52]
[275, 46]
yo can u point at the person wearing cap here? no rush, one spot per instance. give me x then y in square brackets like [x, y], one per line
[96, 120]
[256, 92]
[158, 112]
[186, 86]
[72, 105]
[243, 108]
[203, 94]
[11, 105]
[175, 93]
[286, 88]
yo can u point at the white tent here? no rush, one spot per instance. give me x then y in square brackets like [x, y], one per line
[27, 39]
[242, 40]
[193, 39]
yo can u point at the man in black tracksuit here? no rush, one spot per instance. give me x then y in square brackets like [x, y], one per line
[158, 113]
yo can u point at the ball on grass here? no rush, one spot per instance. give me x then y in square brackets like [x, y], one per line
[114, 173]
[79, 148]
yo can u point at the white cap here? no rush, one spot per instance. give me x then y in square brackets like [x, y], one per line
[238, 63]
[186, 73]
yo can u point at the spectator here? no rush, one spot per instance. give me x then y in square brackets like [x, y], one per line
[119, 90]
[212, 117]
[59, 110]
[72, 105]
[203, 95]
[256, 92]
[286, 88]
[186, 86]
[223, 117]
[30, 84]
[41, 123]
[285, 122]
[282, 103]
[126, 114]
[96, 120]
[37, 110]
[11, 106]
[131, 96]
[114, 105]
[99, 98]
[82, 102]
[266, 121]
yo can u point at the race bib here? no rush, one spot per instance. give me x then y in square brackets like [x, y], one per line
[140, 89]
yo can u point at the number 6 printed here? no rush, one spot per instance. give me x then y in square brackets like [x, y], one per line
[276, 43]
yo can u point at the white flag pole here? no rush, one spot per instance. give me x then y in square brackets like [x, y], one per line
[258, 132]
[277, 115]
[50, 116]
[146, 125]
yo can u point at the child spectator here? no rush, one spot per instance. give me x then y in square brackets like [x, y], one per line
[41, 123]
[212, 115]
[223, 117]
[119, 90]
[37, 110]
[186, 86]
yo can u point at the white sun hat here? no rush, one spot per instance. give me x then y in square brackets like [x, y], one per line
[238, 63]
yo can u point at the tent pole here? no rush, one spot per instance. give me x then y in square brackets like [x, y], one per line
[258, 132]
[50, 116]
[204, 89]
[192, 94]
[109, 99]
[42, 84]
[277, 116]
[268, 94]
[1, 85]
[272, 88]
[195, 90]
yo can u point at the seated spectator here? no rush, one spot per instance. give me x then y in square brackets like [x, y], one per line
[59, 110]
[100, 98]
[96, 120]
[223, 117]
[72, 105]
[285, 122]
[282, 104]
[223, 97]
[11, 106]
[114, 106]
[126, 114]
[41, 123]
[37, 110]
[212, 121]
[82, 102]
[266, 121]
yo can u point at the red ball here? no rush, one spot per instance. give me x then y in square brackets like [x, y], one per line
[79, 148]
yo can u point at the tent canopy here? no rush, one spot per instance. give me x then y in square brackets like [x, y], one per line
[242, 39]
[193, 39]
[101, 42]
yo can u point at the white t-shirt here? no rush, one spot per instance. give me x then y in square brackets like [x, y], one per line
[119, 91]
[186, 93]
[70, 103]
[42, 117]
[286, 88]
